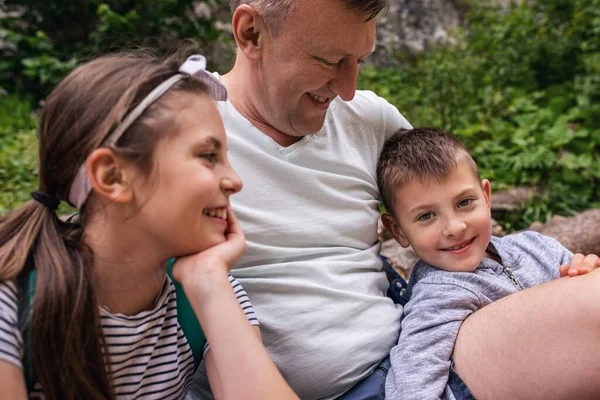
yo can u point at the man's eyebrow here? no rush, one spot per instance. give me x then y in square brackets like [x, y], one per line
[344, 54]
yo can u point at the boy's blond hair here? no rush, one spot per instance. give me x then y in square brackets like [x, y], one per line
[420, 153]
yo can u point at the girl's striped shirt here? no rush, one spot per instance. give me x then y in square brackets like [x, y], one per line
[150, 357]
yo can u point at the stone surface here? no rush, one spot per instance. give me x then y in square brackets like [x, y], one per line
[411, 26]
[580, 234]
[515, 199]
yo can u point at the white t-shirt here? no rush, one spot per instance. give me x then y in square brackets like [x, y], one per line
[312, 270]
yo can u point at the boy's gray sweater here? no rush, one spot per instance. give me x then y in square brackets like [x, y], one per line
[440, 301]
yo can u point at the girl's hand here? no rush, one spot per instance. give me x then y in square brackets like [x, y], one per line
[217, 259]
[580, 265]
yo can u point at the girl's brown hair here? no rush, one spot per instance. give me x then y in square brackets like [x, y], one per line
[66, 336]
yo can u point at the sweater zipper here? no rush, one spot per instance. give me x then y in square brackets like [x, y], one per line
[509, 273]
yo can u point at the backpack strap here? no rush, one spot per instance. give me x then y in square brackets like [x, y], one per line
[187, 319]
[26, 289]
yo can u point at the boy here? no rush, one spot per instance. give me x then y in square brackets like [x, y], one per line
[439, 205]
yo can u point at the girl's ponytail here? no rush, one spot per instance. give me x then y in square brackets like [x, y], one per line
[64, 328]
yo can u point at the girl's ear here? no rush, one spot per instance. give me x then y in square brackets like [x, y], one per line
[391, 225]
[109, 176]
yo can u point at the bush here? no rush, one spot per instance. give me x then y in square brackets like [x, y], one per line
[18, 158]
[47, 38]
[522, 91]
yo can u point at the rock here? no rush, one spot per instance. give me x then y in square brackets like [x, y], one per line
[580, 234]
[515, 199]
[497, 229]
[402, 259]
[411, 25]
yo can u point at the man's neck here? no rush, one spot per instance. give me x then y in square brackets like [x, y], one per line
[239, 96]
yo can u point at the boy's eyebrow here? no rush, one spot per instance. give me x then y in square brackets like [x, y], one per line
[420, 207]
[465, 191]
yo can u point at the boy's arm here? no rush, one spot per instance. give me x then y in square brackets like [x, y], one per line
[420, 362]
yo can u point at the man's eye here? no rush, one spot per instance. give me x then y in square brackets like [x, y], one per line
[425, 216]
[465, 202]
[330, 63]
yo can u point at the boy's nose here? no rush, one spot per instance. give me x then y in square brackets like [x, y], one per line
[454, 227]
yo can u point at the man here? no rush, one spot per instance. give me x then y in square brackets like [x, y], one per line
[306, 143]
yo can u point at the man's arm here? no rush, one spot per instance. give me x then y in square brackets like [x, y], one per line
[542, 342]
[420, 362]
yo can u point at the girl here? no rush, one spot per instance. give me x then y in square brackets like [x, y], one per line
[139, 148]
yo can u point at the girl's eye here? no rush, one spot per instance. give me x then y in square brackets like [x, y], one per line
[211, 157]
[425, 216]
[465, 202]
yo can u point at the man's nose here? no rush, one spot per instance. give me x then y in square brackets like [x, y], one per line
[344, 82]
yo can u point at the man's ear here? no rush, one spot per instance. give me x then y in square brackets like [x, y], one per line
[391, 225]
[248, 30]
[108, 177]
[487, 192]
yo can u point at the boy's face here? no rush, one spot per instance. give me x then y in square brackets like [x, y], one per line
[447, 224]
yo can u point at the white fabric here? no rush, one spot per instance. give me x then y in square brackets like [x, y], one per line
[309, 212]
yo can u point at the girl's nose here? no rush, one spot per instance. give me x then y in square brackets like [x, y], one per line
[231, 182]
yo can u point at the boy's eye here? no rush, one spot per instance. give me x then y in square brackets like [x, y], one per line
[465, 202]
[425, 216]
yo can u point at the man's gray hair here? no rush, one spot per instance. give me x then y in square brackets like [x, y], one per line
[275, 12]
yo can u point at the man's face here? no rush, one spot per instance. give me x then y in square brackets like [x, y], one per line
[314, 59]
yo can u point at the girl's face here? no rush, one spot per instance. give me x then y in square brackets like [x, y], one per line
[182, 202]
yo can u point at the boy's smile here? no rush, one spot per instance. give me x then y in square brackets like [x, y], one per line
[446, 222]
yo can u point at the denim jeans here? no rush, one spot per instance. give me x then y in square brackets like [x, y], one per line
[372, 387]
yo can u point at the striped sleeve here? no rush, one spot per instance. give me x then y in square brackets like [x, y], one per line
[244, 301]
[11, 342]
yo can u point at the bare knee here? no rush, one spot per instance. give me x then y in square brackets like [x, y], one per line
[588, 293]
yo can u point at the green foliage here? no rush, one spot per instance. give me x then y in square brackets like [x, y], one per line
[18, 158]
[522, 91]
[48, 38]
[18, 154]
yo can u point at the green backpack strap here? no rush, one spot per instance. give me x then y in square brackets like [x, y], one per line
[187, 319]
[185, 316]
[26, 289]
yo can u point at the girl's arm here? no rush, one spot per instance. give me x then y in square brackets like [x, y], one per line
[12, 382]
[237, 363]
[211, 370]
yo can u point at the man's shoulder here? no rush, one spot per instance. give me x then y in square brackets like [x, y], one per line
[364, 100]
[369, 109]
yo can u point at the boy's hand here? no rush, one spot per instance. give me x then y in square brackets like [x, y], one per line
[580, 265]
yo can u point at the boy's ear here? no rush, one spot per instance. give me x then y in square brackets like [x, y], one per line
[487, 192]
[108, 177]
[248, 30]
[391, 225]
